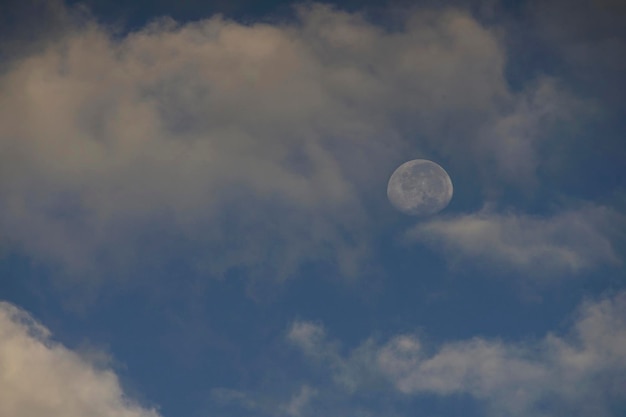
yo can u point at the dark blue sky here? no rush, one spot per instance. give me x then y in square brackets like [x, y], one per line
[198, 215]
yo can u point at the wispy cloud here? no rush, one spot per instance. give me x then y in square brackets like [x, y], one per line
[262, 404]
[579, 373]
[543, 247]
[299, 402]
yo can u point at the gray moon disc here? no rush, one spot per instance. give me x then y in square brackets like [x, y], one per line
[419, 188]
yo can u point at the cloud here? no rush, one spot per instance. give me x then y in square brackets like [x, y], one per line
[589, 38]
[40, 377]
[247, 148]
[350, 373]
[299, 402]
[28, 26]
[566, 243]
[262, 403]
[580, 373]
[513, 141]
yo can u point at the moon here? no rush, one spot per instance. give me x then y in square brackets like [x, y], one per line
[419, 188]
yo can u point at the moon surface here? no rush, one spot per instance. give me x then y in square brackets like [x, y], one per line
[419, 188]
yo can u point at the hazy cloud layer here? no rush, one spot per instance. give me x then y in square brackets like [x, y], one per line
[590, 39]
[547, 247]
[39, 377]
[581, 373]
[253, 148]
[162, 155]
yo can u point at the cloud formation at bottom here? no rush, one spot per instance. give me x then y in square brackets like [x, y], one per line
[581, 373]
[41, 378]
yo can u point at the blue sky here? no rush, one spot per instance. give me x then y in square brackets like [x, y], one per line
[194, 221]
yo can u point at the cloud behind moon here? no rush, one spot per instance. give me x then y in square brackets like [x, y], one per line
[419, 188]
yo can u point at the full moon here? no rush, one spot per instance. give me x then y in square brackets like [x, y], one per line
[419, 188]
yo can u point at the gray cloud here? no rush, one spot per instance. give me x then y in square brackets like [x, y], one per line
[39, 377]
[580, 373]
[257, 146]
[563, 244]
[590, 37]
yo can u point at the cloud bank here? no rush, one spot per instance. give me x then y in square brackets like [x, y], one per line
[254, 148]
[580, 373]
[39, 377]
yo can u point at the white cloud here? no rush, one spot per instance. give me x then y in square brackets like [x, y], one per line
[581, 373]
[577, 374]
[39, 377]
[566, 243]
[256, 145]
